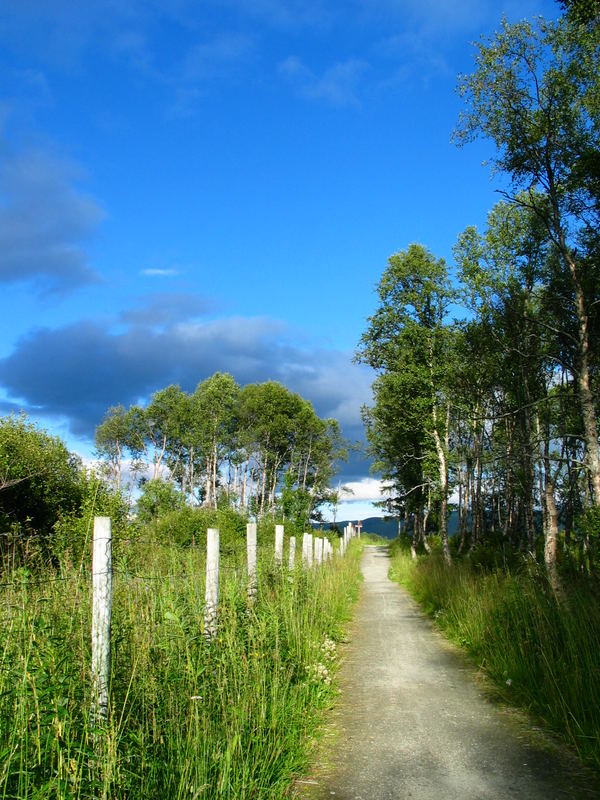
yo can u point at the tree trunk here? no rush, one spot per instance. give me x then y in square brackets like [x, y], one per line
[462, 509]
[263, 484]
[214, 474]
[308, 455]
[443, 473]
[424, 520]
[417, 516]
[586, 398]
[191, 471]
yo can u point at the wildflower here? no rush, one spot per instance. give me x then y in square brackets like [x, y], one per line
[328, 648]
[318, 673]
[509, 681]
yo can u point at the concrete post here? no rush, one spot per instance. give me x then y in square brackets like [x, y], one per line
[251, 555]
[318, 551]
[211, 599]
[102, 596]
[279, 545]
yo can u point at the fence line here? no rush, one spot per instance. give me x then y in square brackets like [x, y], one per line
[315, 550]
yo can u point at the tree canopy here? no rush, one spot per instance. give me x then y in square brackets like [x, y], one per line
[260, 448]
[499, 411]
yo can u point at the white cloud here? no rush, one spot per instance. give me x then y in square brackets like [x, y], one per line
[159, 273]
[365, 490]
[216, 56]
[339, 85]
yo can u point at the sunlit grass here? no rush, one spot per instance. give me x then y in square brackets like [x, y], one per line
[542, 651]
[231, 717]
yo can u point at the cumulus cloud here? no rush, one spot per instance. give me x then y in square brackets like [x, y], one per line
[77, 371]
[44, 221]
[364, 490]
[167, 308]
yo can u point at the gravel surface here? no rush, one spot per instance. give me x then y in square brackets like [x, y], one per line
[413, 721]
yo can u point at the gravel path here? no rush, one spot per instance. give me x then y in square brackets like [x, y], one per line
[412, 721]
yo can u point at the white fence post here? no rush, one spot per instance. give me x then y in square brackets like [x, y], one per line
[251, 556]
[279, 545]
[102, 596]
[307, 550]
[211, 598]
[292, 558]
[318, 551]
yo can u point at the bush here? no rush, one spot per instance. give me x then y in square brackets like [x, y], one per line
[72, 531]
[187, 526]
[157, 498]
[39, 478]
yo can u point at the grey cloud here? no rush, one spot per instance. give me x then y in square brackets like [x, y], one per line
[78, 371]
[44, 220]
[168, 308]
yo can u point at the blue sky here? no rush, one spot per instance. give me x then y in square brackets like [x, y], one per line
[189, 186]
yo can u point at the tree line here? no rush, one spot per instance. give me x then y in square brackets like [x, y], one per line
[497, 410]
[257, 448]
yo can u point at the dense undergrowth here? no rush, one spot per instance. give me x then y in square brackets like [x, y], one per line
[229, 718]
[541, 650]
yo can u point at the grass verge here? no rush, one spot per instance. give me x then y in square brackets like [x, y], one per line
[229, 718]
[542, 652]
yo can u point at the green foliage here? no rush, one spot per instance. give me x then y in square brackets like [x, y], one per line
[582, 12]
[39, 479]
[186, 526]
[412, 345]
[157, 498]
[72, 531]
[541, 650]
[587, 540]
[211, 443]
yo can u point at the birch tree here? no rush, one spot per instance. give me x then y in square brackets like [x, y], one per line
[409, 336]
[535, 93]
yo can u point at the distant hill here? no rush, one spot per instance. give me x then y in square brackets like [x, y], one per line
[388, 528]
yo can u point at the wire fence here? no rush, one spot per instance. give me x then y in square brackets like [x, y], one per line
[104, 574]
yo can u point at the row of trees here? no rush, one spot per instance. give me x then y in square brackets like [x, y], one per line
[499, 411]
[257, 447]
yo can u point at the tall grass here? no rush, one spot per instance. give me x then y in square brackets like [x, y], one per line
[189, 718]
[542, 651]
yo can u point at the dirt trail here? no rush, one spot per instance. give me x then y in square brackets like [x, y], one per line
[412, 721]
